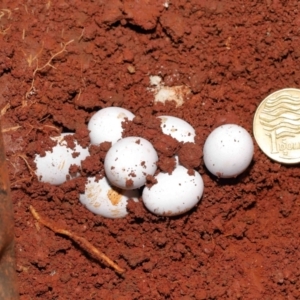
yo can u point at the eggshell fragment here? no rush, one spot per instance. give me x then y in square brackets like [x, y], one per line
[103, 199]
[54, 166]
[129, 161]
[106, 124]
[173, 194]
[177, 128]
[228, 151]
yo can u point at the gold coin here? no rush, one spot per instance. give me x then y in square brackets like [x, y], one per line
[276, 126]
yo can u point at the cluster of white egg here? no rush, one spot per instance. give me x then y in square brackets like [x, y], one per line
[227, 152]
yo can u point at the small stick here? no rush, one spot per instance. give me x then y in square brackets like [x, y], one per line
[82, 242]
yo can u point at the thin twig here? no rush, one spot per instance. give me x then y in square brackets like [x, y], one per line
[82, 242]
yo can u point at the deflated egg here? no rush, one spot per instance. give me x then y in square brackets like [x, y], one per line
[174, 194]
[106, 124]
[177, 129]
[54, 166]
[129, 161]
[228, 151]
[103, 199]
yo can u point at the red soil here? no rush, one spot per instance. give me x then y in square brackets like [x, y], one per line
[242, 240]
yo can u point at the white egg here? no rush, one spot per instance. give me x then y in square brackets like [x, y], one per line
[106, 124]
[129, 161]
[54, 166]
[103, 199]
[178, 129]
[228, 151]
[173, 194]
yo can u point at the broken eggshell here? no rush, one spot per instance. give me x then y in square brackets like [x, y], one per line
[103, 199]
[173, 194]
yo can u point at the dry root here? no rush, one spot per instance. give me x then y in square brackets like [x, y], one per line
[3, 12]
[4, 109]
[26, 179]
[82, 242]
[30, 59]
[14, 128]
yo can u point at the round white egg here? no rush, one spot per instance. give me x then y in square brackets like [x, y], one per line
[173, 194]
[106, 124]
[129, 161]
[228, 151]
[103, 199]
[178, 129]
[54, 166]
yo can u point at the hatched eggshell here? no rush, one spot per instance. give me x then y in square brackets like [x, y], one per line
[177, 128]
[54, 166]
[103, 199]
[173, 194]
[129, 161]
[106, 124]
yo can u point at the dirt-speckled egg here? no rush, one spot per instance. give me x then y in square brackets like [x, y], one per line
[228, 151]
[129, 161]
[54, 166]
[103, 199]
[175, 193]
[178, 129]
[106, 124]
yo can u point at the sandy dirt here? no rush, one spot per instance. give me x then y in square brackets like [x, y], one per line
[61, 61]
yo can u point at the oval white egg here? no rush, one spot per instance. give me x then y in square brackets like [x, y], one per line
[228, 151]
[103, 199]
[106, 124]
[177, 128]
[129, 161]
[173, 194]
[54, 166]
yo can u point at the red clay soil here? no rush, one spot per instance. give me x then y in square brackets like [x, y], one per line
[61, 61]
